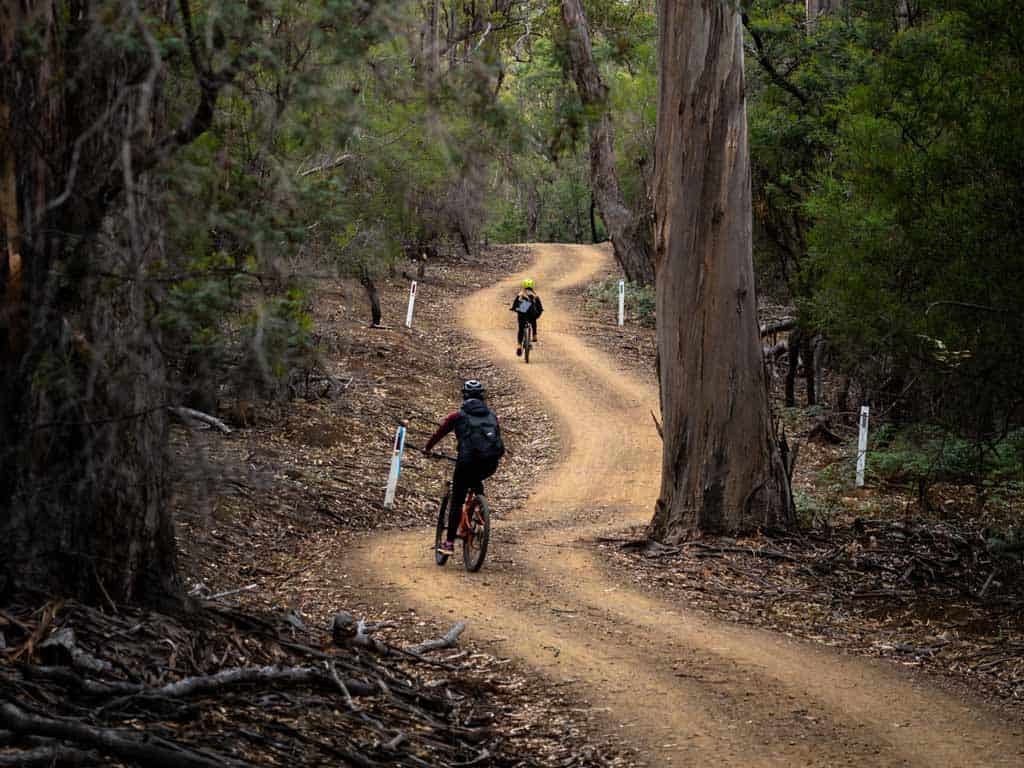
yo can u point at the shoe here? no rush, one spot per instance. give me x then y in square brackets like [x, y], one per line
[448, 548]
[519, 351]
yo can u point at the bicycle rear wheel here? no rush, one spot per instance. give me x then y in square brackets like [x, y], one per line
[474, 546]
[527, 343]
[439, 532]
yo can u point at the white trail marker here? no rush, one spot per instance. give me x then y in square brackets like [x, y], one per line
[622, 302]
[396, 468]
[862, 445]
[412, 303]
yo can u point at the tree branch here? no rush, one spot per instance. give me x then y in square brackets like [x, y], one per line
[762, 57]
[146, 749]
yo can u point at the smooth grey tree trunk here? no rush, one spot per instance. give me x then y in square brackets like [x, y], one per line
[624, 227]
[721, 467]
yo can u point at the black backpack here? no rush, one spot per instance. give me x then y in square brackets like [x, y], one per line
[479, 437]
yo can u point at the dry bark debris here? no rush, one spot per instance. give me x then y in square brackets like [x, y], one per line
[916, 591]
[222, 688]
[161, 682]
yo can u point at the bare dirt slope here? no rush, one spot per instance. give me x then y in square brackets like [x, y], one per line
[687, 689]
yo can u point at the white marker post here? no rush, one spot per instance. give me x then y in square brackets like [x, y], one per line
[396, 467]
[862, 445]
[412, 303]
[622, 302]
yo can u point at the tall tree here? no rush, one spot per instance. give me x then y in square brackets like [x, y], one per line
[624, 226]
[82, 497]
[722, 471]
[94, 97]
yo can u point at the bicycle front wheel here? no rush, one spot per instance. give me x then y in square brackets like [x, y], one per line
[440, 531]
[474, 546]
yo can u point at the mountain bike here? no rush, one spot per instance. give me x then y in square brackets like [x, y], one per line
[474, 526]
[527, 341]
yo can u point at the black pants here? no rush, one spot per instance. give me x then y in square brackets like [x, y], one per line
[466, 476]
[523, 320]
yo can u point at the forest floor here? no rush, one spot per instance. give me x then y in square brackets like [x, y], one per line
[873, 636]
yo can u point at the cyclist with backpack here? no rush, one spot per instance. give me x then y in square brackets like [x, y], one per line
[528, 308]
[480, 450]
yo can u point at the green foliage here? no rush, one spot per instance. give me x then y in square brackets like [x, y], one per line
[915, 246]
[887, 160]
[544, 191]
[811, 511]
[925, 454]
[639, 301]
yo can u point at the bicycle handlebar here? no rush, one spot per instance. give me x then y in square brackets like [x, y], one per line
[434, 454]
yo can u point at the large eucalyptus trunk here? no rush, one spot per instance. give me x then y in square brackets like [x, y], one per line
[624, 227]
[721, 467]
[83, 430]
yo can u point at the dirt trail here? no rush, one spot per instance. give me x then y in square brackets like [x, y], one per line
[686, 689]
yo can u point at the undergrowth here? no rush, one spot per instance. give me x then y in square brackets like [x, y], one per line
[639, 304]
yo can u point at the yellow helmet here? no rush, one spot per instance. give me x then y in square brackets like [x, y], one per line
[528, 283]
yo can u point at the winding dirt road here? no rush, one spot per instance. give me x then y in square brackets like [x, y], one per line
[686, 689]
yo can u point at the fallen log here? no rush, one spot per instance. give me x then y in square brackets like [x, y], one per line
[229, 678]
[146, 749]
[48, 756]
[67, 677]
[786, 324]
[189, 415]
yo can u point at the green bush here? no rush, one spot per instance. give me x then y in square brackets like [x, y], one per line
[640, 300]
[921, 453]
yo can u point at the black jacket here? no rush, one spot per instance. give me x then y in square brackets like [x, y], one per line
[535, 312]
[456, 422]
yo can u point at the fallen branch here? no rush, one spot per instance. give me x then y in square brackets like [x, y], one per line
[769, 553]
[448, 641]
[64, 640]
[71, 679]
[147, 749]
[786, 324]
[189, 414]
[45, 757]
[341, 684]
[646, 547]
[237, 676]
[328, 165]
[229, 592]
[657, 426]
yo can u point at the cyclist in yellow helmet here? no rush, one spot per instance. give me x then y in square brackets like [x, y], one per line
[528, 308]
